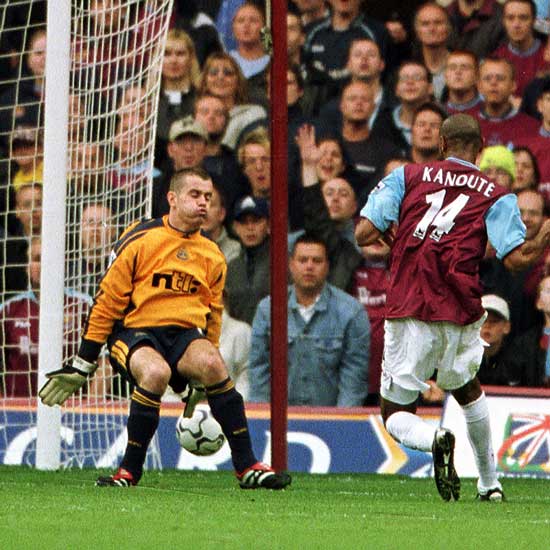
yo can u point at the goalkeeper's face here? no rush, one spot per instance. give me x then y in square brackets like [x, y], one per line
[189, 204]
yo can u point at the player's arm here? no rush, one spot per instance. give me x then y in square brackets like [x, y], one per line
[366, 232]
[382, 208]
[110, 304]
[506, 233]
[530, 251]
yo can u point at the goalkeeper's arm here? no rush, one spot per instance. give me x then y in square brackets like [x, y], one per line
[64, 382]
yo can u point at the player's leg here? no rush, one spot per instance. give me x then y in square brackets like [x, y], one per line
[410, 349]
[407, 345]
[476, 413]
[459, 376]
[148, 371]
[202, 362]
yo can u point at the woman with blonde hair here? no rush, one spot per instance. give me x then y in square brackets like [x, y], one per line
[222, 77]
[179, 82]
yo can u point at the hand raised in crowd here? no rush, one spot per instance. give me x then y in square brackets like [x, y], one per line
[305, 139]
[310, 154]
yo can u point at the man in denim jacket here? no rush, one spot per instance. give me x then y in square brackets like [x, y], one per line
[328, 337]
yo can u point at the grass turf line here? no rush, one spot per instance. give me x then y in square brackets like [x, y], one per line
[176, 509]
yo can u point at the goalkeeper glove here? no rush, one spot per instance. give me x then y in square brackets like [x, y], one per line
[64, 382]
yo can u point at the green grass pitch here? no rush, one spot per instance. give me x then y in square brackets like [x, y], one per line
[195, 510]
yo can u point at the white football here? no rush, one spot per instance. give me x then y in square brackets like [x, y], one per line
[201, 434]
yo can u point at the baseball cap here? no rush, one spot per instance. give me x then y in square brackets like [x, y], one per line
[498, 156]
[496, 304]
[251, 205]
[187, 125]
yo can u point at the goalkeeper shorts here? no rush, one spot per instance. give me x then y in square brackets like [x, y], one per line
[170, 341]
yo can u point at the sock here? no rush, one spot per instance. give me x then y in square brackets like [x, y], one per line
[227, 407]
[141, 427]
[411, 431]
[476, 414]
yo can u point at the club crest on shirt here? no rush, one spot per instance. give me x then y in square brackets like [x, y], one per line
[181, 254]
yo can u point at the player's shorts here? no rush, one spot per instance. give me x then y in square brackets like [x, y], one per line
[413, 350]
[170, 341]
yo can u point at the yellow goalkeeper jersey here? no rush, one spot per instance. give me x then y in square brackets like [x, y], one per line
[160, 276]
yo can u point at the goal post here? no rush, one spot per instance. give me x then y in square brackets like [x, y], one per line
[52, 281]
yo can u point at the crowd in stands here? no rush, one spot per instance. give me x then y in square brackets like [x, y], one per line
[364, 97]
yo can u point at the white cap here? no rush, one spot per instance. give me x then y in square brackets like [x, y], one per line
[496, 304]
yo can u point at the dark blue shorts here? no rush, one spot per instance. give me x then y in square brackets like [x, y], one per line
[170, 341]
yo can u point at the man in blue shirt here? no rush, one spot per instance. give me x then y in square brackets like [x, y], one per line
[328, 337]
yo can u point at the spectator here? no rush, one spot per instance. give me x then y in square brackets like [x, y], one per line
[328, 214]
[327, 44]
[433, 29]
[329, 208]
[235, 349]
[539, 141]
[368, 153]
[330, 160]
[294, 95]
[220, 161]
[527, 170]
[254, 156]
[28, 214]
[494, 332]
[223, 78]
[413, 88]
[311, 13]
[365, 64]
[530, 352]
[19, 328]
[425, 132]
[224, 22]
[476, 25]
[295, 39]
[199, 26]
[461, 77]
[23, 100]
[179, 82]
[87, 163]
[501, 123]
[249, 51]
[498, 163]
[133, 167]
[328, 337]
[98, 233]
[214, 227]
[27, 151]
[522, 48]
[248, 274]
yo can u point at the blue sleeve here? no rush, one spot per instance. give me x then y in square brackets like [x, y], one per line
[384, 202]
[505, 229]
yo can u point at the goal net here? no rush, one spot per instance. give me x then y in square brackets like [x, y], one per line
[115, 60]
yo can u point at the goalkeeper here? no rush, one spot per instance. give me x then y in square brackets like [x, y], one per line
[159, 309]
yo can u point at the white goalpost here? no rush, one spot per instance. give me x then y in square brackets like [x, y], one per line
[77, 137]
